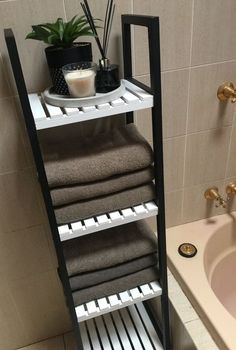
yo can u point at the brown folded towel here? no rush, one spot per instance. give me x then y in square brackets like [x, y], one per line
[109, 248]
[70, 194]
[115, 286]
[104, 204]
[120, 151]
[96, 277]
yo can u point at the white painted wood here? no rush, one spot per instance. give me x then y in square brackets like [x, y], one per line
[92, 308]
[116, 218]
[102, 334]
[81, 312]
[104, 106]
[64, 229]
[103, 304]
[93, 335]
[140, 209]
[37, 108]
[90, 223]
[115, 215]
[114, 300]
[118, 102]
[77, 226]
[103, 219]
[149, 326]
[140, 93]
[146, 290]
[151, 206]
[119, 301]
[53, 111]
[88, 109]
[84, 336]
[155, 286]
[130, 329]
[140, 328]
[135, 293]
[121, 331]
[128, 212]
[112, 332]
[128, 102]
[130, 98]
[125, 297]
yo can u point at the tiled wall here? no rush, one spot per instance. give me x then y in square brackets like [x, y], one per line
[198, 45]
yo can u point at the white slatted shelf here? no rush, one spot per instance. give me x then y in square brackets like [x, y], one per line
[117, 301]
[47, 116]
[130, 328]
[108, 220]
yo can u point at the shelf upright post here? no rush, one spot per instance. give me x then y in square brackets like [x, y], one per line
[32, 133]
[152, 24]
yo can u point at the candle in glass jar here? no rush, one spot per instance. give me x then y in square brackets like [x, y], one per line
[81, 83]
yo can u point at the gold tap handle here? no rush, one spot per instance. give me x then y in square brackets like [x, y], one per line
[226, 91]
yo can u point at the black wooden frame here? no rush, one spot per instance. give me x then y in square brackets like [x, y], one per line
[152, 23]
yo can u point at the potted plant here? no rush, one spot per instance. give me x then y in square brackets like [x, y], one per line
[63, 50]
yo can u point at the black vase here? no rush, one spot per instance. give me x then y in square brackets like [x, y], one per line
[58, 57]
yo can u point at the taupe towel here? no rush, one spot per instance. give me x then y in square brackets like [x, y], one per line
[96, 277]
[109, 248]
[116, 286]
[70, 194]
[120, 151]
[104, 204]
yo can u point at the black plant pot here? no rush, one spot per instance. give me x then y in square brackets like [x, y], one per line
[58, 57]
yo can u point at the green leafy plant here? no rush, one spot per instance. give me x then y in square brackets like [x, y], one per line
[61, 34]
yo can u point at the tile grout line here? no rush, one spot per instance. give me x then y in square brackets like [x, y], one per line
[228, 152]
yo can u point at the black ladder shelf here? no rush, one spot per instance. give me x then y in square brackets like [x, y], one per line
[123, 320]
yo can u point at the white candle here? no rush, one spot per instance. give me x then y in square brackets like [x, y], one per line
[81, 83]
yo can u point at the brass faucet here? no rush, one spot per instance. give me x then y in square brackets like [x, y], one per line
[212, 193]
[231, 189]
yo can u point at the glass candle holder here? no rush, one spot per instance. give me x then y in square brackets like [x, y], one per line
[80, 78]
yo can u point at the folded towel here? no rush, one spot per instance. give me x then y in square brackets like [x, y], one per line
[120, 151]
[115, 286]
[70, 194]
[104, 204]
[109, 248]
[96, 277]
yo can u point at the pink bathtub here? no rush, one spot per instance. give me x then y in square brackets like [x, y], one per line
[209, 278]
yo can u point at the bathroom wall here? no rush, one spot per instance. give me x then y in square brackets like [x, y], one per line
[198, 46]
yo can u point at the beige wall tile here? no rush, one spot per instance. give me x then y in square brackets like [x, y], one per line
[175, 24]
[4, 84]
[69, 340]
[206, 156]
[231, 167]
[12, 149]
[175, 100]
[205, 110]
[19, 201]
[173, 208]
[12, 331]
[214, 29]
[196, 207]
[24, 253]
[98, 9]
[40, 303]
[174, 149]
[143, 120]
[20, 15]
[56, 343]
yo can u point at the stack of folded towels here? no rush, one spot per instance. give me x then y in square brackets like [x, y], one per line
[97, 175]
[111, 261]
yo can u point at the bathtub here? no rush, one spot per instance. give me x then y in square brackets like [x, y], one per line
[209, 278]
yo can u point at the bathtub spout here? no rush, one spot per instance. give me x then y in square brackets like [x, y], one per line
[213, 194]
